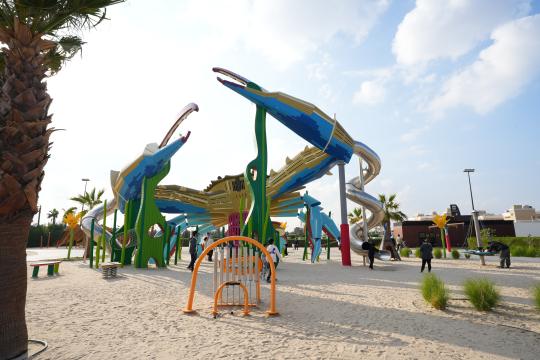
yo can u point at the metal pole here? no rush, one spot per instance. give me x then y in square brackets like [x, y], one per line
[475, 217]
[344, 228]
[477, 231]
[470, 189]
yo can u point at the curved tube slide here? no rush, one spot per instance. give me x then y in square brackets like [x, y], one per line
[356, 194]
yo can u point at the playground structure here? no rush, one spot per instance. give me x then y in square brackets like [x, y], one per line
[245, 203]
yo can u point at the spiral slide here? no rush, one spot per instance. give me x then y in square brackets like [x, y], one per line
[356, 193]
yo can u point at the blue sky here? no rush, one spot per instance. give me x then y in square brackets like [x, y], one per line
[432, 86]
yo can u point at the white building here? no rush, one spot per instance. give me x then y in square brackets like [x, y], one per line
[526, 220]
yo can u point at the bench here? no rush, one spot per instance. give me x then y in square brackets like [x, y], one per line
[109, 269]
[52, 267]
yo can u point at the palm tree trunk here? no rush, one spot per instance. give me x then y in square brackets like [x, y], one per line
[13, 278]
[24, 145]
[386, 238]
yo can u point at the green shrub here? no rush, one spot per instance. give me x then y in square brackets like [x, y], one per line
[455, 254]
[482, 294]
[518, 251]
[467, 256]
[417, 253]
[536, 295]
[434, 291]
[437, 252]
[405, 252]
[530, 252]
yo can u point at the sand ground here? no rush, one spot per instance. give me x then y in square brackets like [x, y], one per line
[327, 312]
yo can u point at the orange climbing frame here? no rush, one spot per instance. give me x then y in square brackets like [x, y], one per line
[271, 310]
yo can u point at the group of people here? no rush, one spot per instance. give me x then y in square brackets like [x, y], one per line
[207, 241]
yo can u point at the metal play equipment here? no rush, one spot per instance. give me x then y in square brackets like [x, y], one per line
[234, 270]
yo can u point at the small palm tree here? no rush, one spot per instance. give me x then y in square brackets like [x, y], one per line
[391, 212]
[89, 199]
[53, 214]
[69, 211]
[355, 216]
[36, 38]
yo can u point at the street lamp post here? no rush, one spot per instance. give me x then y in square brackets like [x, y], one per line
[85, 183]
[475, 216]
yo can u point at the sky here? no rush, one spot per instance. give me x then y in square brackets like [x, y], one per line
[433, 86]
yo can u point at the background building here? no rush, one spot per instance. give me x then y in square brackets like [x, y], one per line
[460, 227]
[526, 220]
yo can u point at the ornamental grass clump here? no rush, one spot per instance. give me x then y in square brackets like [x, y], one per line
[437, 253]
[434, 291]
[455, 254]
[482, 294]
[536, 295]
[417, 253]
[405, 252]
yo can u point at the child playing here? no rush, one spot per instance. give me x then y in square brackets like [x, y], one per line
[275, 254]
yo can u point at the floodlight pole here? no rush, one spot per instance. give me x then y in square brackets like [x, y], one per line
[475, 217]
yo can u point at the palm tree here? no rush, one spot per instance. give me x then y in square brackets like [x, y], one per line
[89, 199]
[68, 211]
[391, 212]
[355, 216]
[38, 37]
[53, 214]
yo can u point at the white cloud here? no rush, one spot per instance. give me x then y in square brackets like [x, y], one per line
[286, 31]
[450, 28]
[371, 92]
[412, 134]
[500, 72]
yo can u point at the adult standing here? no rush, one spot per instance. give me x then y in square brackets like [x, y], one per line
[399, 241]
[426, 250]
[192, 249]
[209, 241]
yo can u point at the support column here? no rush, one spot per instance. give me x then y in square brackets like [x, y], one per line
[344, 228]
[478, 236]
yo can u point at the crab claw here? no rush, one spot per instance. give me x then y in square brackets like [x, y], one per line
[186, 111]
[305, 119]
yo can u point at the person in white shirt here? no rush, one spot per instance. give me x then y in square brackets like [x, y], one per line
[275, 254]
[209, 241]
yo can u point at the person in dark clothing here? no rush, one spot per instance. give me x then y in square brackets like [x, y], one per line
[192, 250]
[426, 250]
[366, 245]
[503, 249]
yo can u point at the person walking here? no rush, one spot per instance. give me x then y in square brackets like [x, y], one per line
[426, 250]
[209, 241]
[192, 250]
[275, 254]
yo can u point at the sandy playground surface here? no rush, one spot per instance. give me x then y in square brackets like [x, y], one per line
[327, 312]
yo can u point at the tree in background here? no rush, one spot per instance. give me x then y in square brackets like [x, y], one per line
[53, 214]
[355, 215]
[68, 211]
[391, 212]
[38, 37]
[89, 199]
